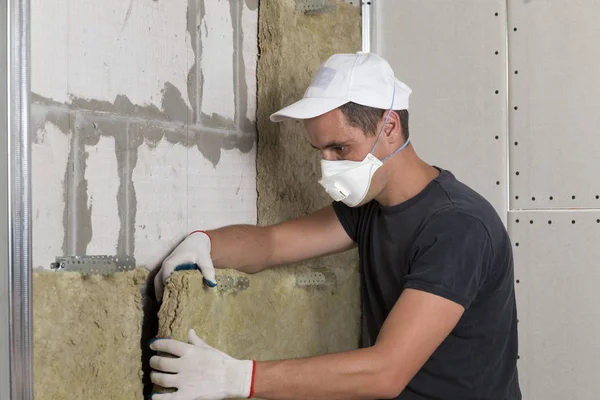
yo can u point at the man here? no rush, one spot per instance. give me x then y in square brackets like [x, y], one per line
[435, 260]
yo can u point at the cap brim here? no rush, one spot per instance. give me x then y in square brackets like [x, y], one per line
[308, 107]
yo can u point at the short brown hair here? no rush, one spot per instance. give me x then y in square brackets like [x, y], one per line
[366, 118]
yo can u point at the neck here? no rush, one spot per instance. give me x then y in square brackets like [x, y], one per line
[407, 175]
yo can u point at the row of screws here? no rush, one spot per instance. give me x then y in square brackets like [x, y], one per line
[516, 143]
[550, 223]
[573, 197]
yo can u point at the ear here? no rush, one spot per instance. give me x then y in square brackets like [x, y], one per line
[392, 129]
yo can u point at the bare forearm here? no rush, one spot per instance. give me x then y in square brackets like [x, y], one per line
[245, 248]
[357, 374]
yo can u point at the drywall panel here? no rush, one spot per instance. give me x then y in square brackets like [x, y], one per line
[254, 316]
[554, 101]
[86, 335]
[138, 50]
[557, 273]
[50, 151]
[452, 55]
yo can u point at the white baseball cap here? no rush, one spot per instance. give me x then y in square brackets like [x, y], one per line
[362, 78]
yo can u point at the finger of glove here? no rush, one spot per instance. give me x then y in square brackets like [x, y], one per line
[164, 380]
[195, 340]
[164, 396]
[170, 346]
[173, 396]
[165, 364]
[173, 260]
[208, 272]
[158, 286]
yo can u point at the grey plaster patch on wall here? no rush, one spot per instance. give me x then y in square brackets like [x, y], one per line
[126, 156]
[77, 216]
[195, 13]
[40, 116]
[192, 77]
[174, 106]
[252, 4]
[240, 85]
[210, 144]
[150, 132]
[216, 121]
[121, 105]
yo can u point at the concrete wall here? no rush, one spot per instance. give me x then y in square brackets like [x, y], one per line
[143, 121]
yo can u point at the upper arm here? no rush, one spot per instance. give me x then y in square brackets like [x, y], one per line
[451, 258]
[313, 235]
[448, 268]
[418, 323]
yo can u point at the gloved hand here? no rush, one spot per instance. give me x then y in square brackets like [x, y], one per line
[199, 372]
[195, 249]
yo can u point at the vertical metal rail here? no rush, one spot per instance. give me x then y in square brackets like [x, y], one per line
[18, 198]
[366, 26]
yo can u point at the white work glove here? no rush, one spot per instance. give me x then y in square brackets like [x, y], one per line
[199, 372]
[193, 252]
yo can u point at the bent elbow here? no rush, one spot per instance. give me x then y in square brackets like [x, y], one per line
[391, 390]
[391, 381]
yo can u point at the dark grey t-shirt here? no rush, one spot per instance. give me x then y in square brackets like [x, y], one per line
[447, 240]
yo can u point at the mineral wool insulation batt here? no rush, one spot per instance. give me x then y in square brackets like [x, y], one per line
[86, 335]
[276, 314]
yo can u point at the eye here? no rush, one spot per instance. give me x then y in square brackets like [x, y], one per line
[339, 149]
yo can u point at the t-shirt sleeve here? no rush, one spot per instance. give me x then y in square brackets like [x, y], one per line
[451, 257]
[349, 218]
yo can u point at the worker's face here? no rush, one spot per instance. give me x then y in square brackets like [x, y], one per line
[337, 140]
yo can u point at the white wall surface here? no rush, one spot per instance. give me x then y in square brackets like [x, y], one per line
[445, 51]
[546, 117]
[554, 147]
[100, 49]
[143, 120]
[554, 59]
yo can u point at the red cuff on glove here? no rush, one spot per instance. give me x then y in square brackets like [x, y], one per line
[252, 384]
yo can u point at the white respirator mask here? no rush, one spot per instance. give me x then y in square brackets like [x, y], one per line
[349, 181]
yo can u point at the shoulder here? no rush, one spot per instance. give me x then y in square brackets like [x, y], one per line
[463, 204]
[354, 219]
[452, 221]
[451, 256]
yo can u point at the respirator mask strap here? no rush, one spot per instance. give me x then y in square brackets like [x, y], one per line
[383, 127]
[385, 120]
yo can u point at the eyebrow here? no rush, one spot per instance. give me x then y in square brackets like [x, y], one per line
[330, 145]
